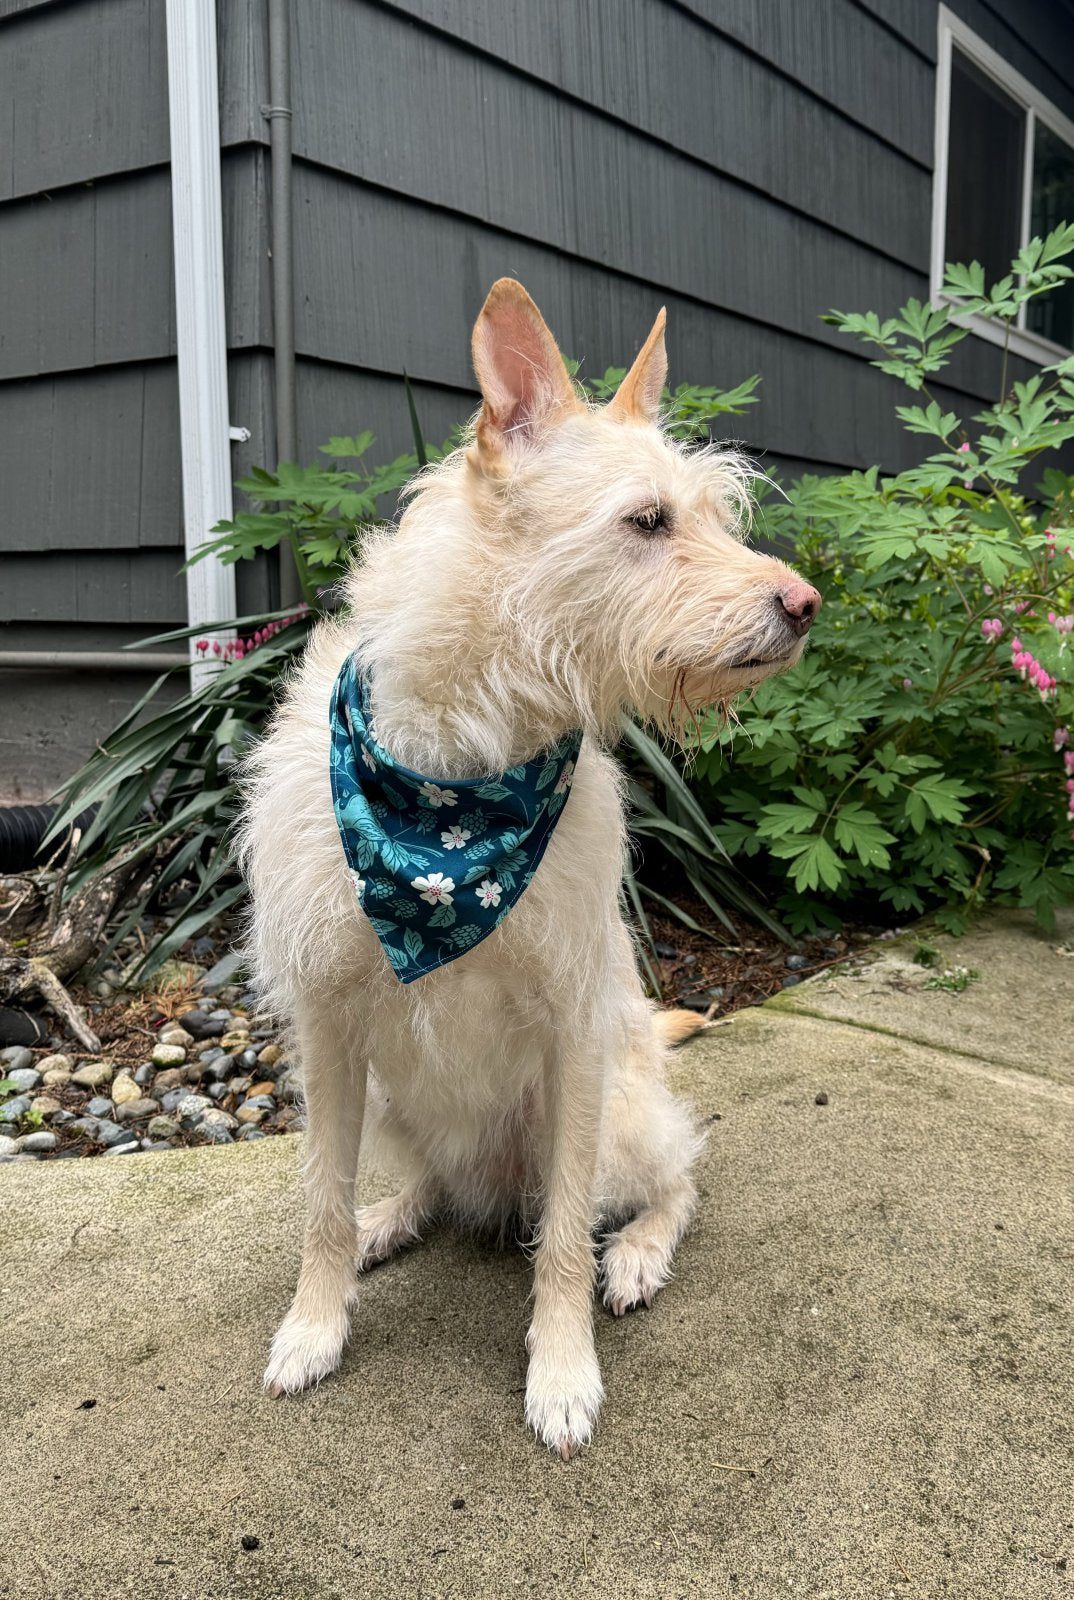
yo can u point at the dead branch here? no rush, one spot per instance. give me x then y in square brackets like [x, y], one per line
[71, 937]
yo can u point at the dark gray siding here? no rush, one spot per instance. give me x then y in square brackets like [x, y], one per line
[750, 166]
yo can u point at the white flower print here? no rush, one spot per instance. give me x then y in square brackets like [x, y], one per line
[488, 893]
[436, 797]
[455, 837]
[368, 759]
[359, 885]
[565, 779]
[436, 888]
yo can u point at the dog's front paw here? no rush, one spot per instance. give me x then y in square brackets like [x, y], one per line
[303, 1353]
[563, 1400]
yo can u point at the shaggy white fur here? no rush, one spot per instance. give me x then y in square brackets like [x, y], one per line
[568, 563]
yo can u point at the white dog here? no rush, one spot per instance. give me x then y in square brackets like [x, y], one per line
[568, 563]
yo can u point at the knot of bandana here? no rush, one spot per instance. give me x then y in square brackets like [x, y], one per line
[436, 864]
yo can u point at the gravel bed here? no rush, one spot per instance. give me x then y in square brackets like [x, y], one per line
[208, 1070]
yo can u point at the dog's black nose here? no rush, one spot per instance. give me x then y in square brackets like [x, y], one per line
[800, 603]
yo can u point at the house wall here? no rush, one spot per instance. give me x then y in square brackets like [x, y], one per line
[750, 165]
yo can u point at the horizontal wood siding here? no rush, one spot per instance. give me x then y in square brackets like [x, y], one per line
[672, 159]
[748, 164]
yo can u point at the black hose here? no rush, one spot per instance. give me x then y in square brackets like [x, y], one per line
[22, 829]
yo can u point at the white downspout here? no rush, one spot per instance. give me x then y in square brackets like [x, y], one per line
[197, 226]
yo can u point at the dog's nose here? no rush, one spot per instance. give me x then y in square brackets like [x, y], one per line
[800, 603]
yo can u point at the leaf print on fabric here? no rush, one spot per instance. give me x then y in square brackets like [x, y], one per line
[455, 837]
[443, 916]
[516, 774]
[472, 875]
[549, 772]
[413, 943]
[492, 791]
[488, 893]
[382, 928]
[396, 856]
[436, 888]
[431, 794]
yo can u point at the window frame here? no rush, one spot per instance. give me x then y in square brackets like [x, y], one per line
[952, 32]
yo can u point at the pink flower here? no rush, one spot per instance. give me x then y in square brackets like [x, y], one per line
[963, 447]
[202, 646]
[1064, 624]
[1068, 763]
[992, 628]
[1016, 644]
[216, 647]
[908, 683]
[1060, 737]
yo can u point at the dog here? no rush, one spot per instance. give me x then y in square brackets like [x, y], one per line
[567, 563]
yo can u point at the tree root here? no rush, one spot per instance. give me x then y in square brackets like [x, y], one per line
[71, 937]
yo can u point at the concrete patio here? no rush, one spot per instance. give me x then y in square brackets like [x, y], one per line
[860, 1384]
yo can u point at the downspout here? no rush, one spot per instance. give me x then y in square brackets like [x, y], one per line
[278, 115]
[201, 338]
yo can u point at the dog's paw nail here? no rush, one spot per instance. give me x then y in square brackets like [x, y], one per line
[567, 1448]
[276, 1390]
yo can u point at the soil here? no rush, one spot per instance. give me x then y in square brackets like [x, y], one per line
[712, 973]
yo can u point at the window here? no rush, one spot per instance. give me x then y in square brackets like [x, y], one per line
[1004, 172]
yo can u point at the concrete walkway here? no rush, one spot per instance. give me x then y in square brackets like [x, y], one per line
[873, 1316]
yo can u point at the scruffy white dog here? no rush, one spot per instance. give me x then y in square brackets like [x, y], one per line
[568, 563]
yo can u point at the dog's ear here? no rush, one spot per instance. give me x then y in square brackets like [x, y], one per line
[637, 398]
[521, 372]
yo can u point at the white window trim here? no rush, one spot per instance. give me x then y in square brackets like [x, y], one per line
[953, 31]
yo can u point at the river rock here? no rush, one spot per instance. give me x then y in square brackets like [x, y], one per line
[45, 1105]
[163, 1127]
[55, 1077]
[251, 1115]
[191, 1108]
[93, 1074]
[55, 1063]
[16, 1058]
[24, 1078]
[109, 1133]
[37, 1144]
[171, 1078]
[168, 1055]
[135, 1110]
[124, 1088]
[8, 1147]
[176, 1035]
[269, 1056]
[15, 1109]
[129, 1147]
[99, 1106]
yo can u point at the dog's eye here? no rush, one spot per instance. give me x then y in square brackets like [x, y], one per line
[650, 519]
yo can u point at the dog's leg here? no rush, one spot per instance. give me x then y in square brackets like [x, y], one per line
[387, 1225]
[649, 1144]
[563, 1387]
[637, 1259]
[309, 1342]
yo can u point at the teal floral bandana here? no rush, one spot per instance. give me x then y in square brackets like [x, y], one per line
[436, 866]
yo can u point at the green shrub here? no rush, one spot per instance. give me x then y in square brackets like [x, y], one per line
[920, 757]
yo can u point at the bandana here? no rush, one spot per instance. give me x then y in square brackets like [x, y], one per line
[436, 865]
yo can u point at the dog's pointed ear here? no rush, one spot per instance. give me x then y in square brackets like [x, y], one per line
[523, 379]
[637, 398]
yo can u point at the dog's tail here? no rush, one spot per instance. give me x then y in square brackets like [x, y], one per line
[675, 1027]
